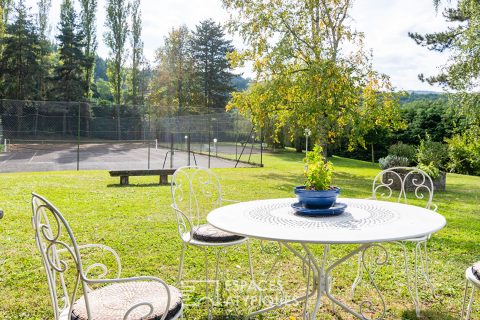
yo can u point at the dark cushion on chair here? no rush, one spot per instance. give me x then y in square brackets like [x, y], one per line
[113, 301]
[476, 270]
[208, 233]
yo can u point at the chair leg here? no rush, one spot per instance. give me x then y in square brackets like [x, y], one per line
[180, 270]
[417, 305]
[215, 285]
[413, 295]
[207, 299]
[250, 265]
[469, 308]
[464, 299]
[359, 276]
[426, 274]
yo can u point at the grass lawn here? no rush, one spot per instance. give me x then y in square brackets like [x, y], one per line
[138, 223]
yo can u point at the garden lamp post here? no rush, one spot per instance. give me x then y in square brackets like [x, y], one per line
[307, 132]
[186, 142]
[215, 146]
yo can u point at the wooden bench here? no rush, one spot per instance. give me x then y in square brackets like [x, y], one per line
[124, 174]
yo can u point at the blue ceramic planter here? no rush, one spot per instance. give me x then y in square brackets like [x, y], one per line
[317, 199]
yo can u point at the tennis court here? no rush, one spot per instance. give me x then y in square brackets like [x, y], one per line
[58, 156]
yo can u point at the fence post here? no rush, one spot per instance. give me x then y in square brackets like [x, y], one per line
[147, 135]
[171, 150]
[78, 138]
[188, 149]
[148, 162]
[209, 136]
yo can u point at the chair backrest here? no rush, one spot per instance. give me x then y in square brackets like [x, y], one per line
[195, 192]
[60, 255]
[402, 183]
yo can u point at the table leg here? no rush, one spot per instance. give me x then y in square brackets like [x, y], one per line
[305, 297]
[324, 276]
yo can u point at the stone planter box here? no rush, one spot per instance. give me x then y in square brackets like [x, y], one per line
[438, 184]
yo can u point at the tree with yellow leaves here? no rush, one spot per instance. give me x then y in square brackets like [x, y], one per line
[311, 71]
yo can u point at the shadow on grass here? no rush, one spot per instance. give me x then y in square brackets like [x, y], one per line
[140, 185]
[428, 314]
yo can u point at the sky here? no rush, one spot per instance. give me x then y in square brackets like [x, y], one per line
[385, 24]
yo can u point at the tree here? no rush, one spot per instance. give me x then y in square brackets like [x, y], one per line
[462, 72]
[172, 82]
[46, 49]
[115, 38]
[212, 69]
[302, 78]
[100, 69]
[6, 7]
[69, 73]
[87, 17]
[20, 66]
[42, 17]
[137, 53]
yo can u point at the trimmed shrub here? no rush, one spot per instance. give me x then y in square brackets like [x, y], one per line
[403, 150]
[393, 161]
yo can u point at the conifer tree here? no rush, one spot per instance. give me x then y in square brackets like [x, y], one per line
[69, 80]
[212, 69]
[19, 66]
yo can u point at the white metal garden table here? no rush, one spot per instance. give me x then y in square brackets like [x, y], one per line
[366, 223]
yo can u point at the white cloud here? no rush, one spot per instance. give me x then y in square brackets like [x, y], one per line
[385, 24]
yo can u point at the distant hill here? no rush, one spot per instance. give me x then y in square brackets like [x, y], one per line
[424, 92]
[414, 95]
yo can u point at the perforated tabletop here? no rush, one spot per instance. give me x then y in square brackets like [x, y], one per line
[364, 221]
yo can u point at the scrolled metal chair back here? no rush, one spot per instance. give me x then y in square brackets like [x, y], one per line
[402, 183]
[53, 237]
[195, 192]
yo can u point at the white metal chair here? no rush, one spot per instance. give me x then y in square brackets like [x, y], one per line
[472, 275]
[69, 275]
[195, 192]
[398, 183]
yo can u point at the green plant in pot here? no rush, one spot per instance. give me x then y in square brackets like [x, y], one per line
[317, 193]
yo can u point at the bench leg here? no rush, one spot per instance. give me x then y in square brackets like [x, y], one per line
[164, 179]
[123, 180]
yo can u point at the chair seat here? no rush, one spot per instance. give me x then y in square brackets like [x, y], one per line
[476, 270]
[113, 301]
[208, 233]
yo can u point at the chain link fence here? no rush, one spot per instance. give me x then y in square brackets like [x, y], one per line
[80, 129]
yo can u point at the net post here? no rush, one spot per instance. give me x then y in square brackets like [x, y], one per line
[5, 146]
[156, 144]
